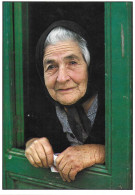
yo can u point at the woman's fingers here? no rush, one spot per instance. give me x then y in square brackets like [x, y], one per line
[31, 160]
[65, 172]
[60, 168]
[34, 154]
[72, 174]
[63, 168]
[48, 151]
[40, 153]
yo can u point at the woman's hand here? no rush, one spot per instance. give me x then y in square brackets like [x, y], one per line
[76, 158]
[39, 152]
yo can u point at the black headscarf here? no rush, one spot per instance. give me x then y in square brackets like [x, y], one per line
[76, 116]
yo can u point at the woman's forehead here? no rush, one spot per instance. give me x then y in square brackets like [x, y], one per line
[64, 49]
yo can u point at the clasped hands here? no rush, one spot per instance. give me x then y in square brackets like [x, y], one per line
[39, 152]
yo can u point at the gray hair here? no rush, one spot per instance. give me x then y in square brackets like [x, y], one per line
[62, 34]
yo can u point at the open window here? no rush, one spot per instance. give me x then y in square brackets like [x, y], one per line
[23, 23]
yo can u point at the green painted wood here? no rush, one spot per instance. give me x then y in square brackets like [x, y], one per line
[25, 182]
[121, 94]
[18, 164]
[25, 33]
[18, 29]
[108, 89]
[8, 76]
[8, 84]
[21, 182]
[96, 168]
[9, 181]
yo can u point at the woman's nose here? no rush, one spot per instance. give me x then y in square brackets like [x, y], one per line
[63, 75]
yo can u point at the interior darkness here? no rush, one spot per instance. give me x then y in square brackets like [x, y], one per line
[41, 14]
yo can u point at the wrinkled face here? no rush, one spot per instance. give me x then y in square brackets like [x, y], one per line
[65, 72]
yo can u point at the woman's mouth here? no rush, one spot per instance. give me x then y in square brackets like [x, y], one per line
[66, 90]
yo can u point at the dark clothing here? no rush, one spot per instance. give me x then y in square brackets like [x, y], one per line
[50, 127]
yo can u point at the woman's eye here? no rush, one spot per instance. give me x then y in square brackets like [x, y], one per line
[73, 62]
[50, 67]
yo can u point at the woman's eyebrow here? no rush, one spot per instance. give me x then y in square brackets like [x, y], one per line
[47, 61]
[71, 57]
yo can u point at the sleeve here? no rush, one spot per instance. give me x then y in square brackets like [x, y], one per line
[32, 126]
[46, 126]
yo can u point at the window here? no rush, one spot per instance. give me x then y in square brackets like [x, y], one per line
[20, 37]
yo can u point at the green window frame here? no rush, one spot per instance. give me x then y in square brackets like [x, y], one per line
[117, 171]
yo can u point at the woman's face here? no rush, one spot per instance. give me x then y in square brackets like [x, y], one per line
[65, 72]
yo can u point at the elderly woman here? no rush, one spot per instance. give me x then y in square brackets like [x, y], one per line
[63, 62]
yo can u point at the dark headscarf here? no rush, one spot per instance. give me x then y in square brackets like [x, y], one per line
[76, 116]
